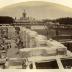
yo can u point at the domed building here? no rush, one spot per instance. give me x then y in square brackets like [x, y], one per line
[24, 20]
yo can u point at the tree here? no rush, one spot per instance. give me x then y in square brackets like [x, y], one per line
[6, 20]
[66, 21]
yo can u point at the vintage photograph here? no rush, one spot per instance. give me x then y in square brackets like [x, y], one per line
[35, 35]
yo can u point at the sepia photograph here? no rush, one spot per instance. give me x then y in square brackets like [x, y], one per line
[36, 35]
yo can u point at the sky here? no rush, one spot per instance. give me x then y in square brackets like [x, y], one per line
[4, 3]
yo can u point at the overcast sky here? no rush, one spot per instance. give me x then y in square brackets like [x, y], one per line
[4, 3]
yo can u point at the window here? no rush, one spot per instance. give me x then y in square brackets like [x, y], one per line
[31, 66]
[61, 51]
[47, 65]
[67, 63]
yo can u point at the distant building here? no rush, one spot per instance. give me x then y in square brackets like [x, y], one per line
[24, 20]
[41, 27]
